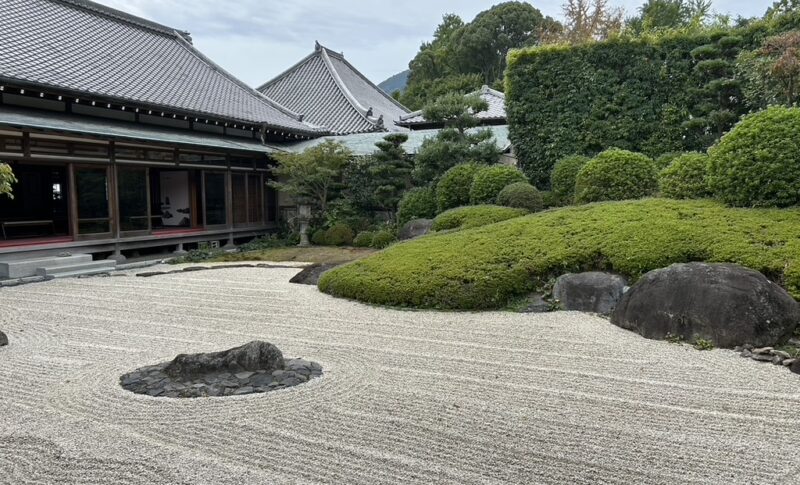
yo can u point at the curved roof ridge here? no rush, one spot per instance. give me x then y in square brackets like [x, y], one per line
[126, 17]
[362, 76]
[365, 112]
[296, 116]
[286, 72]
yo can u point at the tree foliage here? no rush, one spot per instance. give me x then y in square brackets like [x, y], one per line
[313, 176]
[586, 20]
[391, 171]
[7, 179]
[463, 56]
[456, 143]
[669, 14]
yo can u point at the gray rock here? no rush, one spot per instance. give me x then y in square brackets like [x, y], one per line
[724, 303]
[3, 339]
[594, 291]
[249, 357]
[762, 357]
[777, 359]
[415, 228]
[789, 362]
[537, 304]
[781, 354]
[763, 350]
[243, 390]
[244, 375]
[795, 367]
[311, 274]
[746, 353]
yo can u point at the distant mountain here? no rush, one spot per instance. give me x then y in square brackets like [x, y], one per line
[395, 83]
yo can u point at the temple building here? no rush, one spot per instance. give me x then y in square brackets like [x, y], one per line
[123, 136]
[332, 93]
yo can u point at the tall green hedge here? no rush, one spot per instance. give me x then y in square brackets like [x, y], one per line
[645, 94]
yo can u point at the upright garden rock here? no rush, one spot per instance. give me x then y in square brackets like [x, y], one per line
[594, 291]
[725, 303]
[3, 339]
[415, 228]
[253, 356]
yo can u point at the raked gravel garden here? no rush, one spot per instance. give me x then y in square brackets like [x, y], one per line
[405, 396]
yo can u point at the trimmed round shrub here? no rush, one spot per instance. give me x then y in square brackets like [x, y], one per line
[382, 238]
[339, 234]
[549, 199]
[685, 178]
[562, 178]
[364, 239]
[489, 181]
[318, 238]
[757, 163]
[419, 203]
[454, 186]
[616, 175]
[474, 216]
[521, 195]
[665, 159]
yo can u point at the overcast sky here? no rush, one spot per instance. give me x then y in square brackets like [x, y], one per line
[258, 39]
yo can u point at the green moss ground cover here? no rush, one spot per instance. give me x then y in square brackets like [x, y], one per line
[486, 267]
[472, 216]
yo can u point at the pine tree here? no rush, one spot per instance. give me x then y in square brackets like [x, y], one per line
[391, 171]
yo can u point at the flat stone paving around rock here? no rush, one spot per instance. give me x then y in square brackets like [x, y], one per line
[154, 381]
[407, 397]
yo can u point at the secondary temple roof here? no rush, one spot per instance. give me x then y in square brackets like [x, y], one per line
[334, 94]
[496, 114]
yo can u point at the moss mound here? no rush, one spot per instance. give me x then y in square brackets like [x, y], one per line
[474, 216]
[483, 268]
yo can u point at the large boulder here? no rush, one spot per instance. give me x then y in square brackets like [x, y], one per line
[311, 274]
[3, 339]
[724, 303]
[593, 291]
[415, 228]
[254, 356]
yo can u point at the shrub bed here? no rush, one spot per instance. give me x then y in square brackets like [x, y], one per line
[364, 239]
[474, 216]
[484, 268]
[339, 234]
[382, 238]
[562, 179]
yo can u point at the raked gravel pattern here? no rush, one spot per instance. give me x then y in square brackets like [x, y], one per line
[407, 396]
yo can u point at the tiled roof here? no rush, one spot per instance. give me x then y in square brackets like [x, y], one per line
[364, 143]
[330, 92]
[81, 47]
[496, 112]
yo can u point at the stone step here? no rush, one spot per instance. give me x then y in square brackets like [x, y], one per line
[91, 267]
[24, 268]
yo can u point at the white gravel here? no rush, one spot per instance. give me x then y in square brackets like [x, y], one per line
[408, 397]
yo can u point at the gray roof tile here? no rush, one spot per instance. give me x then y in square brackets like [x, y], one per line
[82, 47]
[495, 99]
[330, 92]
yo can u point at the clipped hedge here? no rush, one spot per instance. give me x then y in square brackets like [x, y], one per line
[686, 177]
[616, 175]
[418, 203]
[472, 216]
[364, 239]
[453, 188]
[483, 268]
[757, 163]
[489, 181]
[318, 238]
[642, 94]
[562, 178]
[521, 195]
[382, 239]
[339, 234]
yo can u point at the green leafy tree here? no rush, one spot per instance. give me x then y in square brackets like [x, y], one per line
[463, 56]
[391, 171]
[7, 179]
[456, 143]
[670, 14]
[783, 7]
[313, 176]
